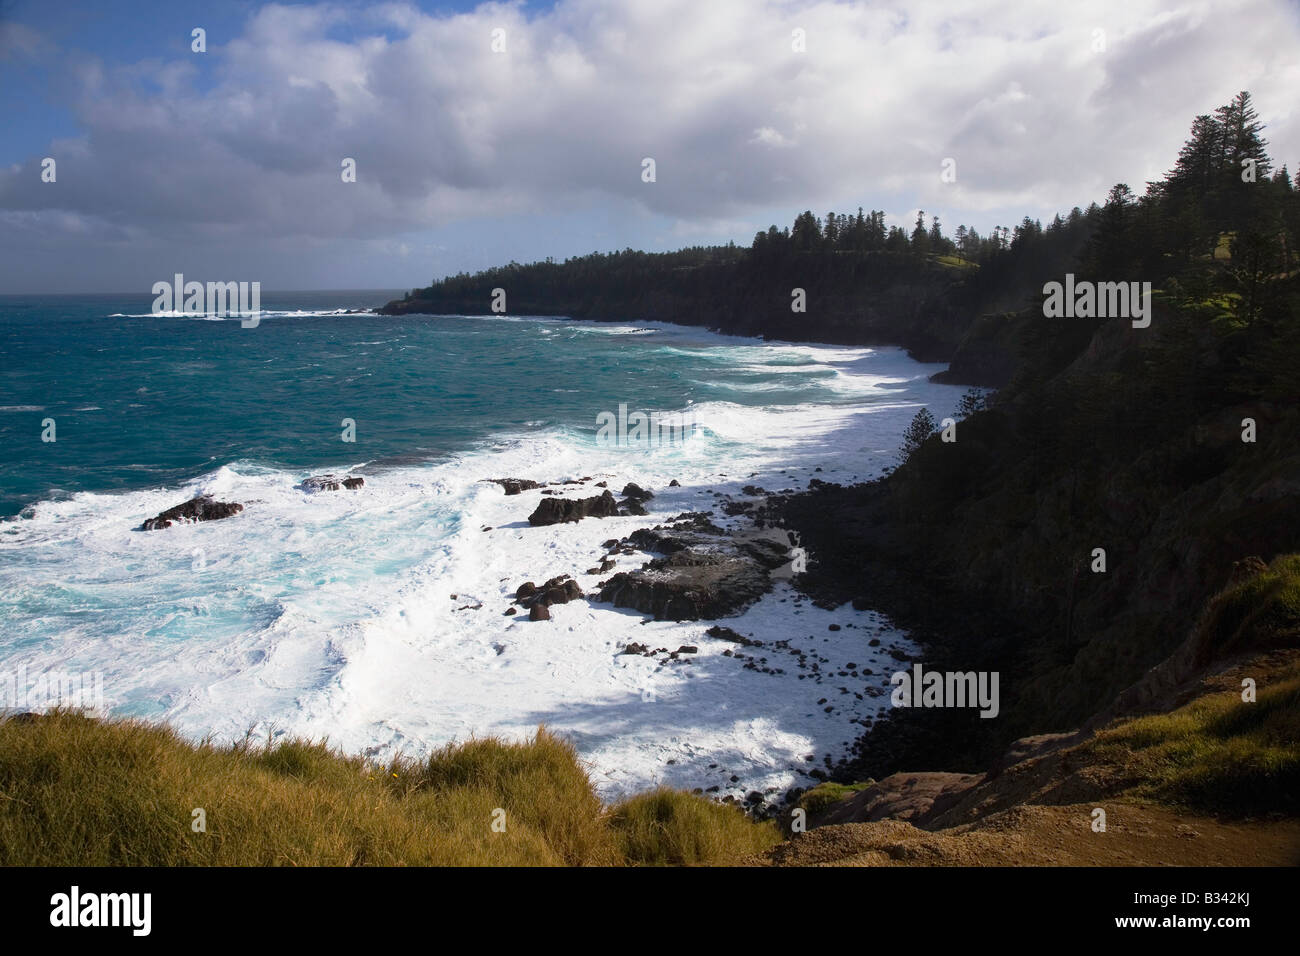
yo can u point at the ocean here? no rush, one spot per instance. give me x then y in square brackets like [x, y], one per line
[375, 618]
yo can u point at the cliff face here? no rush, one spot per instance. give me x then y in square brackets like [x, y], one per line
[1070, 534]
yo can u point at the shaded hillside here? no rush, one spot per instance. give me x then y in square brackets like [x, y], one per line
[1173, 448]
[1185, 765]
[860, 286]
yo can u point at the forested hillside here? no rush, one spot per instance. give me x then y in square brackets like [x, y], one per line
[862, 283]
[1216, 236]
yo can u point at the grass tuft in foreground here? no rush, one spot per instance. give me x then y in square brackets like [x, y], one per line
[84, 792]
[671, 828]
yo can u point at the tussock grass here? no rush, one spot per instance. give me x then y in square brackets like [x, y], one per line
[1218, 753]
[84, 792]
[1260, 612]
[542, 785]
[671, 828]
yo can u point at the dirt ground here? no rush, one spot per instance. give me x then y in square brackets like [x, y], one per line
[1135, 835]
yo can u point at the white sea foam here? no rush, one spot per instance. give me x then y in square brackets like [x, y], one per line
[233, 316]
[375, 617]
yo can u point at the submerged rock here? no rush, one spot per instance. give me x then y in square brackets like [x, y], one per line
[332, 483]
[203, 508]
[514, 486]
[635, 492]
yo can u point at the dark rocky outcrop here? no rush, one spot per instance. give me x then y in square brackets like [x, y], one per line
[560, 510]
[560, 589]
[693, 529]
[985, 355]
[727, 634]
[332, 483]
[514, 486]
[705, 572]
[560, 593]
[203, 508]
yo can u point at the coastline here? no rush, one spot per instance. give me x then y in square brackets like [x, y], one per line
[862, 559]
[437, 659]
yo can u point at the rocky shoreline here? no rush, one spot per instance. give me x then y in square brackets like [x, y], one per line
[706, 566]
[699, 570]
[712, 564]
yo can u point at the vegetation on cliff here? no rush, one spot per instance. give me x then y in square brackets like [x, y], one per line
[1071, 532]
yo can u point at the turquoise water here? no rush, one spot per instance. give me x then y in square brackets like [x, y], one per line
[140, 400]
[375, 617]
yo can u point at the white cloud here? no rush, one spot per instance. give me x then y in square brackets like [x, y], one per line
[445, 130]
[767, 136]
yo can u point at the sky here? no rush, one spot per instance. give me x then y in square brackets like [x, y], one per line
[488, 132]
